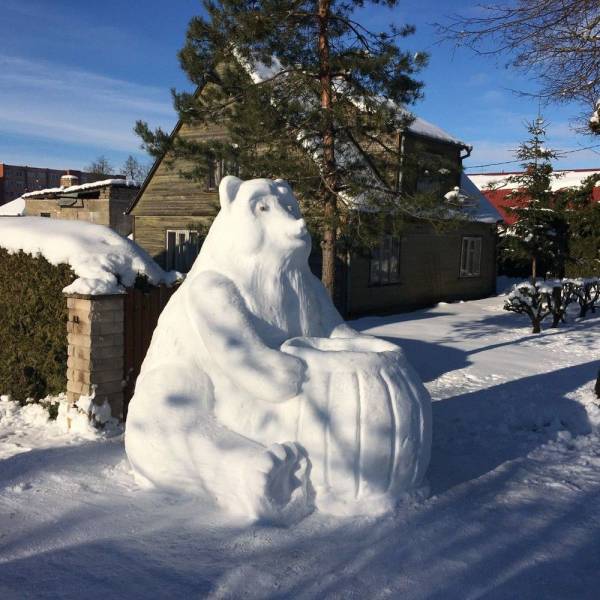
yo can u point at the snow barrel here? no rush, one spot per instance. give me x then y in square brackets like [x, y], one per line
[364, 418]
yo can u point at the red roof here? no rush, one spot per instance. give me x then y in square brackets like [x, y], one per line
[500, 200]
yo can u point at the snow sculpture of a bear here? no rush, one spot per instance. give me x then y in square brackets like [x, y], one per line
[255, 392]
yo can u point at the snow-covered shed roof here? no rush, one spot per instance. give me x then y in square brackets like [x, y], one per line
[14, 208]
[83, 187]
[104, 261]
[561, 179]
[483, 211]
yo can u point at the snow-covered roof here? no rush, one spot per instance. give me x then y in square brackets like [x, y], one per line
[260, 72]
[469, 200]
[422, 127]
[484, 211]
[14, 208]
[560, 179]
[84, 186]
[104, 261]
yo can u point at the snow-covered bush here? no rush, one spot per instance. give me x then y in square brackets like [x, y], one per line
[533, 300]
[545, 298]
[562, 296]
[586, 291]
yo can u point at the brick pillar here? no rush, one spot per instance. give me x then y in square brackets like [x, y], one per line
[95, 351]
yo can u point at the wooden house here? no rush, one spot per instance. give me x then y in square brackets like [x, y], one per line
[423, 266]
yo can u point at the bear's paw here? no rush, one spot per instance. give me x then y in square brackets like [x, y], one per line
[277, 485]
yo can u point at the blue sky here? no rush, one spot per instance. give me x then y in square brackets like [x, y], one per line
[75, 76]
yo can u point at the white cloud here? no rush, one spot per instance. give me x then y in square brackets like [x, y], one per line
[492, 96]
[74, 106]
[478, 79]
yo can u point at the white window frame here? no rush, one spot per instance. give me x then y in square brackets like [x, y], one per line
[181, 256]
[384, 262]
[470, 256]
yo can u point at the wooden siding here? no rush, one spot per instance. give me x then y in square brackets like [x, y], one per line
[150, 232]
[169, 193]
[429, 271]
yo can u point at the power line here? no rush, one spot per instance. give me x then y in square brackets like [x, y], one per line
[559, 154]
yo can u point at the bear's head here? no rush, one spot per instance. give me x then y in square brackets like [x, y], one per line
[260, 242]
[261, 217]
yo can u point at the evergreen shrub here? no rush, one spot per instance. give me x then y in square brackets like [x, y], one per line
[33, 331]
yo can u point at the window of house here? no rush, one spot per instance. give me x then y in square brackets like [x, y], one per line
[385, 262]
[217, 170]
[470, 257]
[45, 214]
[183, 245]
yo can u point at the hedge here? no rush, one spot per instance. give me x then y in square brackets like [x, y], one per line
[33, 332]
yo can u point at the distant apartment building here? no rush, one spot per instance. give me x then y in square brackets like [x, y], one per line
[18, 180]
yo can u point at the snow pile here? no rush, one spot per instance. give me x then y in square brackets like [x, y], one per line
[15, 208]
[82, 187]
[252, 373]
[32, 422]
[104, 261]
[85, 418]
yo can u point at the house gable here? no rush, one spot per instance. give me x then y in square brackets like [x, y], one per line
[167, 192]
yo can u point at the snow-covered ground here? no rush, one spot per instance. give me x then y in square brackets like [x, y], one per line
[514, 510]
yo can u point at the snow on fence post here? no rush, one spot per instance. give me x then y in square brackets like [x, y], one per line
[95, 349]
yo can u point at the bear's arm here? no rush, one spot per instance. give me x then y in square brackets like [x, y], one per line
[332, 322]
[222, 320]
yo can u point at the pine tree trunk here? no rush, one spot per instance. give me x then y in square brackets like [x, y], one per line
[533, 270]
[328, 166]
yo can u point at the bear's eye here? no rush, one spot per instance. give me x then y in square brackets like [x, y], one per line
[263, 207]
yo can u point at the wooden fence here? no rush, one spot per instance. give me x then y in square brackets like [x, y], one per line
[141, 312]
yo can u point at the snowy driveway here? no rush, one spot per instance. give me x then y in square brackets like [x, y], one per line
[514, 510]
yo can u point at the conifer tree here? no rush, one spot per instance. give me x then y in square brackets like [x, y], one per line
[540, 234]
[584, 227]
[306, 93]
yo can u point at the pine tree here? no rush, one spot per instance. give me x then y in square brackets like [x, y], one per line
[584, 227]
[540, 234]
[306, 92]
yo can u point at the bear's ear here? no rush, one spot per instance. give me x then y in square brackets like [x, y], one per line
[283, 186]
[228, 188]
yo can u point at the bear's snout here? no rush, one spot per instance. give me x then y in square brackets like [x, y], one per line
[299, 228]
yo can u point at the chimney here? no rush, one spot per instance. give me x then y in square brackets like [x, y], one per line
[67, 180]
